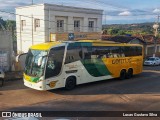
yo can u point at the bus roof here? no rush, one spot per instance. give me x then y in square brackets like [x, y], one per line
[48, 45]
[98, 42]
[45, 46]
[107, 43]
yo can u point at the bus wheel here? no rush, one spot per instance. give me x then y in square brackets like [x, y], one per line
[122, 75]
[129, 73]
[70, 83]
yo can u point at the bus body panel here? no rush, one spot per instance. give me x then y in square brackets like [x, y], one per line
[115, 65]
[82, 74]
[97, 67]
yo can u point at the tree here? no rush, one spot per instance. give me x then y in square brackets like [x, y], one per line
[10, 25]
[121, 32]
[7, 24]
[105, 31]
[112, 31]
[2, 23]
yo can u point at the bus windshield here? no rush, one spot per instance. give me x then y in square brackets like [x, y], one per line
[32, 66]
[54, 63]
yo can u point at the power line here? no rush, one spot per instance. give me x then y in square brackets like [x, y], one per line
[102, 3]
[41, 19]
[63, 23]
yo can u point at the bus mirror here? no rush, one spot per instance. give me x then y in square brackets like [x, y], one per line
[40, 61]
[20, 57]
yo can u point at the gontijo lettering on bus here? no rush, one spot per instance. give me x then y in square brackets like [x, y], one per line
[121, 61]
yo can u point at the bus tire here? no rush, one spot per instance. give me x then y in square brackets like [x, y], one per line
[129, 73]
[122, 75]
[70, 83]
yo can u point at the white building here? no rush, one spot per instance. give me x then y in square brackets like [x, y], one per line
[46, 22]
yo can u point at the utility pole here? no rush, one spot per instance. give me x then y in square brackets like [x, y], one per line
[155, 27]
[32, 29]
[104, 17]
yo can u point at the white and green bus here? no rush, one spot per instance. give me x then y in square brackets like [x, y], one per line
[67, 64]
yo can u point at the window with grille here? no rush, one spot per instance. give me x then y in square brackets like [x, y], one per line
[37, 22]
[23, 24]
[91, 26]
[77, 26]
[60, 25]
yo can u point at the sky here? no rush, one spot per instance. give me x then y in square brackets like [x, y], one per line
[115, 11]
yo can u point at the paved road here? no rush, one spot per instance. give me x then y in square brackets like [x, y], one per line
[141, 93]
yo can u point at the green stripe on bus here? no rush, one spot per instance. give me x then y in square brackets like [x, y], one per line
[80, 44]
[96, 67]
[34, 79]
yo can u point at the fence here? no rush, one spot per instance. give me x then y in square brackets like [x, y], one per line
[4, 60]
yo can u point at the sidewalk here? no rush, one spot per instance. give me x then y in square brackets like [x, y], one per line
[13, 75]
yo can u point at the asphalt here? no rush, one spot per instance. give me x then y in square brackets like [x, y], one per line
[141, 93]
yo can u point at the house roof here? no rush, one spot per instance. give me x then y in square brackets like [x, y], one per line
[150, 39]
[121, 39]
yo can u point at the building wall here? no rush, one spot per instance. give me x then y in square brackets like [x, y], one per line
[48, 15]
[150, 49]
[69, 14]
[28, 35]
[77, 36]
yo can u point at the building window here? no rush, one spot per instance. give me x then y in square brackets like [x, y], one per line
[91, 26]
[60, 25]
[23, 23]
[77, 26]
[36, 23]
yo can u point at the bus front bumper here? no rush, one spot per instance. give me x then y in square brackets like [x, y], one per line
[37, 86]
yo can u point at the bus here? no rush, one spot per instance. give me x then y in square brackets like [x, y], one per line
[66, 64]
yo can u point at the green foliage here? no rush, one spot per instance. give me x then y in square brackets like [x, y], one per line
[7, 24]
[2, 23]
[10, 25]
[121, 32]
[133, 29]
[112, 31]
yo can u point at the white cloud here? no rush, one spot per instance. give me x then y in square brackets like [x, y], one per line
[125, 13]
[156, 10]
[128, 19]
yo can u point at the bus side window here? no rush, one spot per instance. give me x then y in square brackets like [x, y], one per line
[122, 55]
[122, 52]
[87, 52]
[139, 51]
[81, 54]
[115, 55]
[110, 55]
[74, 53]
[87, 56]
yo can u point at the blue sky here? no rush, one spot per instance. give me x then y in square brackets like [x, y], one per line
[115, 11]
